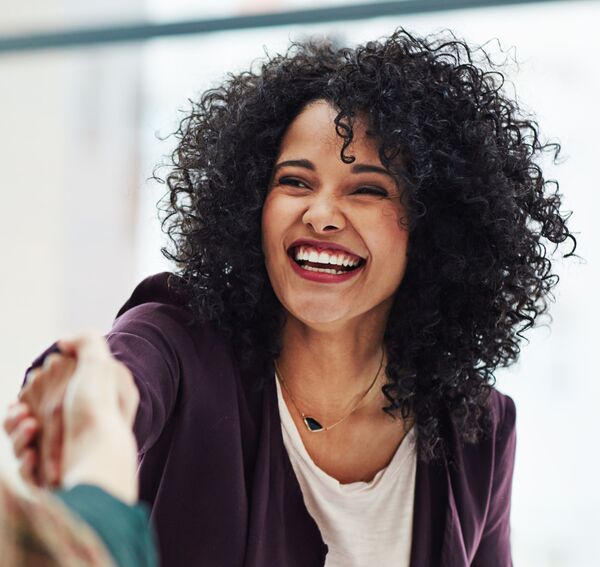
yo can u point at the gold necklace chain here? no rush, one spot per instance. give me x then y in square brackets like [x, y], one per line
[311, 423]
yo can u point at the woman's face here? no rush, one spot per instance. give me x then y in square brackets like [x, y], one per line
[332, 233]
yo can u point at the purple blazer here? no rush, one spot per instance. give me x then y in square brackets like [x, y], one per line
[215, 471]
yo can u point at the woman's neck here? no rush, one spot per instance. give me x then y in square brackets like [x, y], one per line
[328, 371]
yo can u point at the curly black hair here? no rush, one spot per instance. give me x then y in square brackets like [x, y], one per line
[481, 213]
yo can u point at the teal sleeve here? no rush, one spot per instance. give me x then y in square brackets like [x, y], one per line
[125, 530]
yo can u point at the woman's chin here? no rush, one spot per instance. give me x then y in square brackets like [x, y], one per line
[320, 315]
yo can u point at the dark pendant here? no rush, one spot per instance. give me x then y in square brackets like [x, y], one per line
[312, 424]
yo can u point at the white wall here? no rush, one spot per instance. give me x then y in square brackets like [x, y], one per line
[69, 163]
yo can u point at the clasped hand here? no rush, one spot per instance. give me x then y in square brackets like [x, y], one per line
[72, 422]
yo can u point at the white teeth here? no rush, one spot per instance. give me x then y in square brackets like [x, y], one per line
[307, 254]
[323, 258]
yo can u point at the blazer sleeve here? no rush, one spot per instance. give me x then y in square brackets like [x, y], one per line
[145, 338]
[494, 547]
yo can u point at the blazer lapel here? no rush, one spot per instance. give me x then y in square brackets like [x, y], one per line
[437, 534]
[454, 553]
[429, 515]
[281, 531]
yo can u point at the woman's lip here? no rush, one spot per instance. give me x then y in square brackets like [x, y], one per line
[322, 277]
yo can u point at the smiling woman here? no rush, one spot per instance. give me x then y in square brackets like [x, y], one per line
[360, 236]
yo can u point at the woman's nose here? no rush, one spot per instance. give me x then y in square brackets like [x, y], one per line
[324, 215]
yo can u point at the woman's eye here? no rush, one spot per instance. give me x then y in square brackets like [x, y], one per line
[293, 182]
[372, 191]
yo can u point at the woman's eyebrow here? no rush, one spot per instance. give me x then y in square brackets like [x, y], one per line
[368, 168]
[295, 162]
[356, 168]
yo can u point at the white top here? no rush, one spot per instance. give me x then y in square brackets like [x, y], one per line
[364, 524]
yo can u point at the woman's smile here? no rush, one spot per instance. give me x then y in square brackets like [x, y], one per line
[323, 262]
[323, 271]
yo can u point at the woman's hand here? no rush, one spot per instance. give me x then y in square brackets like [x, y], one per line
[40, 401]
[22, 428]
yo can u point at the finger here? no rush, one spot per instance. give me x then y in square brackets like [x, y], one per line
[27, 466]
[23, 435]
[16, 413]
[49, 384]
[50, 444]
[53, 466]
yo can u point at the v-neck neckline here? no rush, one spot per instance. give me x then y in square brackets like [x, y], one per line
[436, 526]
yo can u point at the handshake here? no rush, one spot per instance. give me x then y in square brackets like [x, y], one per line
[72, 422]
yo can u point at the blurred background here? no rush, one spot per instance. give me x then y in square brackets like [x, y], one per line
[83, 127]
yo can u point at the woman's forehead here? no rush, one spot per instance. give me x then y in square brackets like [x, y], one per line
[313, 132]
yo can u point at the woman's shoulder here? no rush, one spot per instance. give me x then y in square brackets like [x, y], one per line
[160, 300]
[157, 317]
[158, 292]
[497, 442]
[502, 411]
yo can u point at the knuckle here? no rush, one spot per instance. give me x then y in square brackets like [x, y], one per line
[28, 424]
[9, 423]
[23, 434]
[52, 361]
